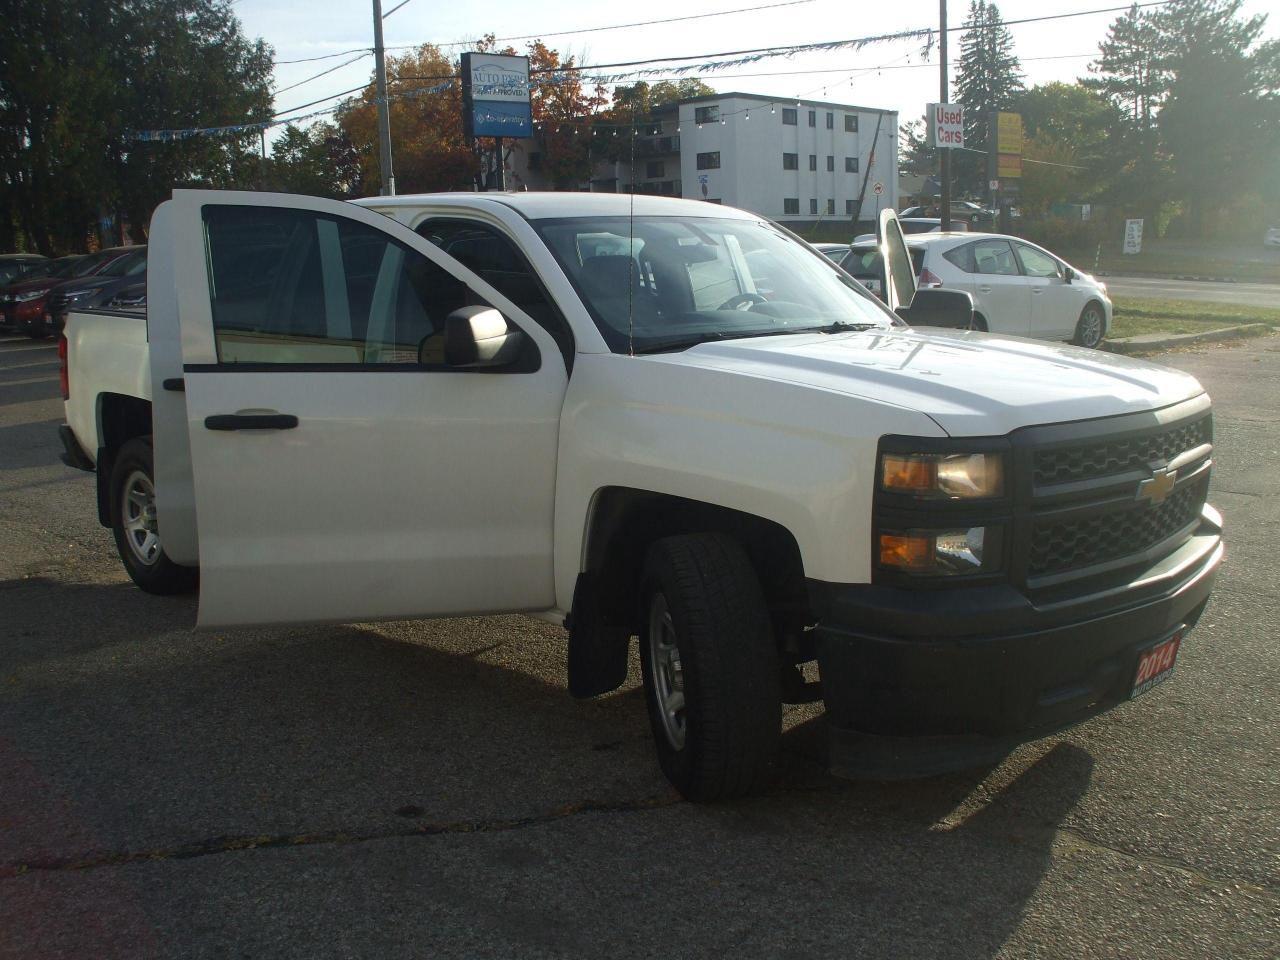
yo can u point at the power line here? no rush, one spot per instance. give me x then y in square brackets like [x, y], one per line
[394, 9]
[758, 53]
[619, 26]
[345, 63]
[327, 56]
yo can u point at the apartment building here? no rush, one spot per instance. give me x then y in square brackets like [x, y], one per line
[791, 160]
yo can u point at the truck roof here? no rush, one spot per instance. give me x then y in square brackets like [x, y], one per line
[542, 205]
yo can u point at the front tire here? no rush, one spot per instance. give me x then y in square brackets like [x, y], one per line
[134, 524]
[710, 668]
[1091, 326]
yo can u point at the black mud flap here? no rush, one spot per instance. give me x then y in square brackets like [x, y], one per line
[597, 649]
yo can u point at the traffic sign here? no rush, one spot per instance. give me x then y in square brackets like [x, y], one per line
[878, 188]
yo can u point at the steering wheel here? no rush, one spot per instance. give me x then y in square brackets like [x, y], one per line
[742, 301]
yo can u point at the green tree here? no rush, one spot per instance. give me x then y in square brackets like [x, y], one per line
[318, 160]
[79, 77]
[988, 79]
[1130, 73]
[1221, 116]
[914, 153]
[1074, 121]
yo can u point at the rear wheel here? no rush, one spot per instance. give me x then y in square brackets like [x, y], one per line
[1091, 326]
[135, 526]
[710, 668]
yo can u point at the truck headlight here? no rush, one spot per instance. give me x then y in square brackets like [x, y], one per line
[948, 476]
[940, 552]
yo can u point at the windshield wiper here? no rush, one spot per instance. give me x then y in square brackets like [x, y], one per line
[841, 326]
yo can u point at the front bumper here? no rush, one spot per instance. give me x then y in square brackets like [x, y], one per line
[920, 681]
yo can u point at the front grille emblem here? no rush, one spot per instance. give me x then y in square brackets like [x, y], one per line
[1158, 488]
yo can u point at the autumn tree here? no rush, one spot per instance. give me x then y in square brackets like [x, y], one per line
[428, 149]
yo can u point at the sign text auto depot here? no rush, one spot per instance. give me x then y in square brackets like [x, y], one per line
[495, 96]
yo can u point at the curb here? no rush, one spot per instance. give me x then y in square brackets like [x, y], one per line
[1175, 276]
[1154, 342]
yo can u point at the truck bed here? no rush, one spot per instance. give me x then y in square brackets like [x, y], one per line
[106, 354]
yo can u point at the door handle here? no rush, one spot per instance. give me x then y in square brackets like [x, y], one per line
[251, 421]
[984, 289]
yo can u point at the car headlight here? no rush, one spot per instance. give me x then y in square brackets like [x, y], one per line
[944, 476]
[26, 295]
[933, 553]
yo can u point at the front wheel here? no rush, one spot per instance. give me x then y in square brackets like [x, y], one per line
[135, 526]
[710, 668]
[1091, 327]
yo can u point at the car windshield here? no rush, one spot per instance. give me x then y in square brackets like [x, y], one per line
[91, 263]
[127, 265]
[656, 283]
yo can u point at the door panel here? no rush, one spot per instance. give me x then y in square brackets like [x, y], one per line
[1003, 294]
[404, 490]
[1051, 296]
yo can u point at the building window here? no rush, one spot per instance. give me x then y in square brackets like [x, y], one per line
[850, 123]
[706, 114]
[848, 208]
[831, 120]
[850, 164]
[791, 205]
[655, 169]
[831, 207]
[831, 164]
[709, 161]
[791, 161]
[789, 116]
[813, 161]
[813, 208]
[813, 118]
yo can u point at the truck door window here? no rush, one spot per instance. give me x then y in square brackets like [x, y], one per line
[297, 287]
[493, 256]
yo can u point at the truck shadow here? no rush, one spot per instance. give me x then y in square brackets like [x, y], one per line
[124, 733]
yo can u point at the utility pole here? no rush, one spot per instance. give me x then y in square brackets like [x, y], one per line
[384, 108]
[944, 156]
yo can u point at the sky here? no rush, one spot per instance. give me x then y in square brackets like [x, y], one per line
[886, 75]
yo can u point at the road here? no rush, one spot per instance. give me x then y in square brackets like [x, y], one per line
[1148, 288]
[429, 789]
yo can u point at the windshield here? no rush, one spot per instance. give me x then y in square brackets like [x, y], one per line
[666, 282]
[91, 263]
[127, 266]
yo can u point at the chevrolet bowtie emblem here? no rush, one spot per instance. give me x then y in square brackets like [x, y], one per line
[1159, 486]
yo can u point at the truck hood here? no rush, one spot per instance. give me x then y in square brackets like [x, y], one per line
[969, 383]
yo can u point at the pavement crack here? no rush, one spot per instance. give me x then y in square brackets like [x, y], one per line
[1087, 841]
[235, 844]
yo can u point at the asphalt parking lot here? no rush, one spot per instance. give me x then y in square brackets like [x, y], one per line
[428, 789]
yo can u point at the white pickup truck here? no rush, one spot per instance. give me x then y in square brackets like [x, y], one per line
[655, 418]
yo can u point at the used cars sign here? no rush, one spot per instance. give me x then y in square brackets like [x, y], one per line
[946, 125]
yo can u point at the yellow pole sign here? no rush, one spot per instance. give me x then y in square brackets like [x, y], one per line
[1008, 146]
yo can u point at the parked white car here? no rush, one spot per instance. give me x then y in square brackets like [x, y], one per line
[1018, 288]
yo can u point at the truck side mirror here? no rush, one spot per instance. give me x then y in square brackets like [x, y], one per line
[479, 337]
[935, 307]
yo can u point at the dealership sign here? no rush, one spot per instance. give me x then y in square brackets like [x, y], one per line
[495, 96]
[946, 125]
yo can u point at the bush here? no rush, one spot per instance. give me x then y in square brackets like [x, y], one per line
[1059, 233]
